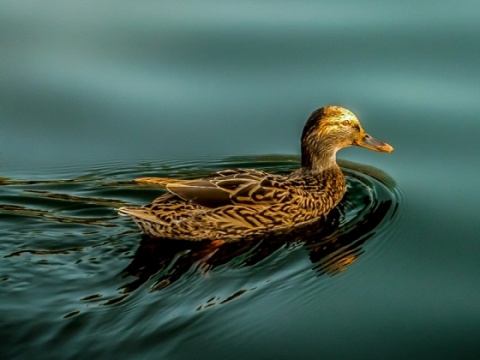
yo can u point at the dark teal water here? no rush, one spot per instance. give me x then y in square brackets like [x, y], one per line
[94, 94]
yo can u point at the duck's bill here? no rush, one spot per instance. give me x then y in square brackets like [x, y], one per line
[371, 143]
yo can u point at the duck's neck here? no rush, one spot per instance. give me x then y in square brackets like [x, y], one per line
[316, 159]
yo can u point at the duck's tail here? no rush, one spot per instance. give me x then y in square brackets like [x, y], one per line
[154, 181]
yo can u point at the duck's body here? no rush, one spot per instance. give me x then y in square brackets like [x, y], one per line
[234, 204]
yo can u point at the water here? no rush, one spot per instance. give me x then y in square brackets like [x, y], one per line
[88, 267]
[93, 95]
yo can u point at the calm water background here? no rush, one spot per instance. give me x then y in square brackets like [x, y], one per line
[94, 94]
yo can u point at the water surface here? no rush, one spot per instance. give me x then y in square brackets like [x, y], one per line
[91, 270]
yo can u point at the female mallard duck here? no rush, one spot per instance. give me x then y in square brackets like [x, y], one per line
[234, 204]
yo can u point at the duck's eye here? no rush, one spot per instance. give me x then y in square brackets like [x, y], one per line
[345, 123]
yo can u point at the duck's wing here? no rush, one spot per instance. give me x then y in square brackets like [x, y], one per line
[232, 187]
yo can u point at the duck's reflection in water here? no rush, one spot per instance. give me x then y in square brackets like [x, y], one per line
[333, 243]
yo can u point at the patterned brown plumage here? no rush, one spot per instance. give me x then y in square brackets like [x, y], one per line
[245, 203]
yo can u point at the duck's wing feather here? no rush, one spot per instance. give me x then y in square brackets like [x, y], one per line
[231, 187]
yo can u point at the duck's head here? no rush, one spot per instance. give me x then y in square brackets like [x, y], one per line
[330, 129]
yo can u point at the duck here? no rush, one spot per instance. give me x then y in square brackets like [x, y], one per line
[230, 205]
